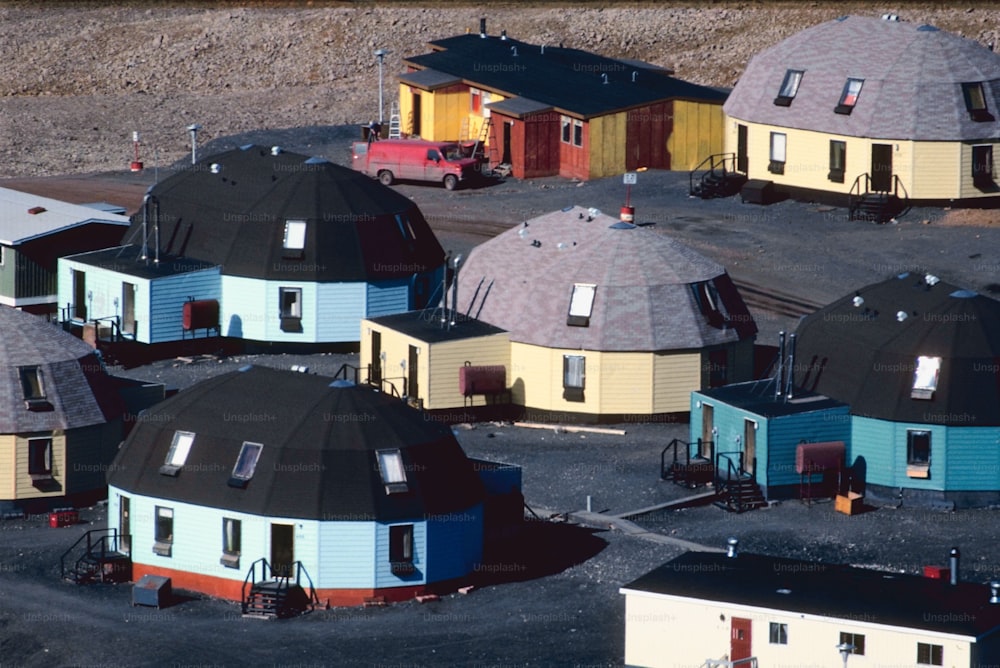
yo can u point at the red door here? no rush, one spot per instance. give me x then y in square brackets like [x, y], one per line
[739, 639]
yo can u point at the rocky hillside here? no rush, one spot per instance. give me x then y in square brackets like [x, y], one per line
[78, 78]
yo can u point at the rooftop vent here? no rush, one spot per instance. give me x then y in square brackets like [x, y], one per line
[890, 17]
[931, 279]
[902, 315]
[35, 210]
[276, 150]
[482, 28]
[953, 558]
[503, 35]
[731, 545]
[215, 168]
[300, 368]
[994, 592]
[858, 301]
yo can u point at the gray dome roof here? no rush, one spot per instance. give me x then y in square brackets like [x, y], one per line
[913, 76]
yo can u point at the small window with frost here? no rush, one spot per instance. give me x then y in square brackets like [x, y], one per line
[789, 87]
[581, 304]
[178, 453]
[925, 378]
[390, 467]
[246, 464]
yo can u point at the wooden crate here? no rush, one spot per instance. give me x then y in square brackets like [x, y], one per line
[850, 504]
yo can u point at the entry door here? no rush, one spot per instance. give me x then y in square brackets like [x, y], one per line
[415, 106]
[707, 424]
[128, 308]
[505, 158]
[79, 295]
[749, 445]
[375, 374]
[125, 525]
[412, 390]
[881, 167]
[739, 639]
[282, 548]
[742, 161]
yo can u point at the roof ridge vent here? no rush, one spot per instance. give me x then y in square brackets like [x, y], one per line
[890, 17]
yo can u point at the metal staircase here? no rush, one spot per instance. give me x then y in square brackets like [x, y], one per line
[100, 555]
[875, 205]
[394, 121]
[277, 594]
[716, 176]
[684, 469]
[737, 488]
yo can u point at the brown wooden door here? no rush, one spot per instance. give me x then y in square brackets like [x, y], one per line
[413, 389]
[881, 167]
[375, 372]
[707, 425]
[749, 445]
[124, 525]
[742, 161]
[739, 639]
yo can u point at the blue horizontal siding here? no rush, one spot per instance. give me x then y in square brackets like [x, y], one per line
[455, 544]
[383, 568]
[346, 552]
[388, 297]
[973, 458]
[339, 308]
[167, 297]
[784, 433]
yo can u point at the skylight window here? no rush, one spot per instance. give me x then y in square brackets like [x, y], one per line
[789, 87]
[390, 467]
[295, 234]
[925, 378]
[178, 453]
[581, 304]
[849, 97]
[975, 102]
[246, 464]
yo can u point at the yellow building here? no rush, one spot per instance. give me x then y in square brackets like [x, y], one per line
[61, 416]
[870, 110]
[550, 110]
[712, 609]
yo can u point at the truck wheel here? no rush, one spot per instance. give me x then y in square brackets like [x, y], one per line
[450, 182]
[385, 176]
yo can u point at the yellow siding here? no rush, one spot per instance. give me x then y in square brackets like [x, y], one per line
[698, 132]
[607, 145]
[675, 376]
[531, 375]
[8, 458]
[23, 489]
[938, 176]
[626, 382]
[405, 108]
[449, 105]
[447, 357]
[964, 169]
[698, 630]
[396, 347]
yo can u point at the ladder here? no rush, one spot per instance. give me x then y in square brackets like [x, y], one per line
[463, 132]
[487, 136]
[394, 132]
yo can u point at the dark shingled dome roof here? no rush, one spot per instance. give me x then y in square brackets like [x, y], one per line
[234, 216]
[865, 356]
[318, 459]
[913, 76]
[78, 392]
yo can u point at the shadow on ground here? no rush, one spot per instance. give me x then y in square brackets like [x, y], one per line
[540, 549]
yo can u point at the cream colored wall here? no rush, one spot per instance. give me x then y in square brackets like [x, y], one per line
[675, 375]
[939, 176]
[699, 130]
[447, 357]
[968, 189]
[23, 489]
[8, 464]
[664, 632]
[396, 347]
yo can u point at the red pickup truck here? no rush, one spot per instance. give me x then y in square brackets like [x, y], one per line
[414, 159]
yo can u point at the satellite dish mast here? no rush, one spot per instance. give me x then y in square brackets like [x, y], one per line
[193, 129]
[136, 165]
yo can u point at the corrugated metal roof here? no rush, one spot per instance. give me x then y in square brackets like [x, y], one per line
[429, 79]
[518, 106]
[18, 225]
[912, 82]
[643, 301]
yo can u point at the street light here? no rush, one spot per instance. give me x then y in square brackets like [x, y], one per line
[380, 54]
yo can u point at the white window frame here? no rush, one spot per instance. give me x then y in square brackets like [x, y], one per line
[295, 235]
[180, 448]
[392, 470]
[296, 310]
[926, 372]
[581, 304]
[163, 545]
[246, 463]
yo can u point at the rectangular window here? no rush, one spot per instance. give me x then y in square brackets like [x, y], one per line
[918, 453]
[574, 377]
[178, 453]
[401, 549]
[290, 300]
[838, 160]
[930, 655]
[40, 458]
[975, 102]
[567, 124]
[577, 132]
[982, 166]
[849, 96]
[777, 165]
[581, 304]
[857, 640]
[390, 467]
[779, 634]
[3, 254]
[246, 464]
[295, 235]
[789, 87]
[925, 377]
[163, 531]
[231, 542]
[31, 383]
[475, 101]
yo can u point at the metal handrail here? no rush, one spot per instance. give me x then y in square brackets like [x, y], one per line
[722, 158]
[673, 445]
[110, 535]
[283, 579]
